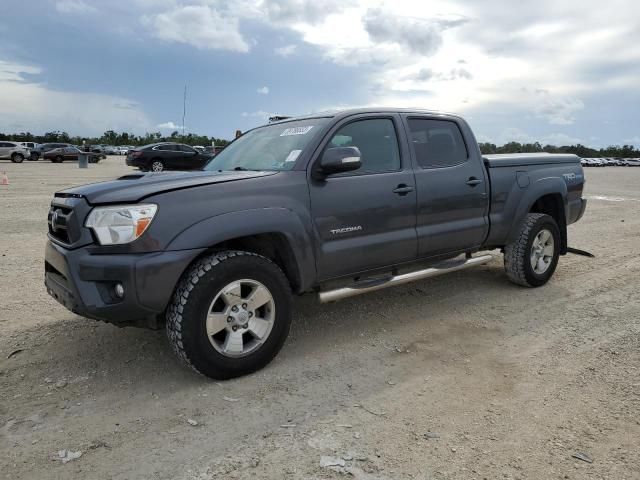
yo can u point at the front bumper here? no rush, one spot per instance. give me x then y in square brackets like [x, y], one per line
[85, 283]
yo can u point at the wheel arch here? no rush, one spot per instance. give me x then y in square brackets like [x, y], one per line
[274, 233]
[548, 196]
[552, 204]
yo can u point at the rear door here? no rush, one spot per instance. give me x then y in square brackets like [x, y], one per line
[71, 153]
[366, 218]
[452, 190]
[5, 149]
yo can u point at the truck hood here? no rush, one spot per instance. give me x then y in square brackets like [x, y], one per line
[136, 186]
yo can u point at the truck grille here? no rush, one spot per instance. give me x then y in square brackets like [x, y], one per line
[59, 220]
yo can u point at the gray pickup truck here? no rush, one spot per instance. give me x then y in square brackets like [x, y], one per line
[336, 203]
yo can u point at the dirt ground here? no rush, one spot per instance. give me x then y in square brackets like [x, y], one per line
[465, 376]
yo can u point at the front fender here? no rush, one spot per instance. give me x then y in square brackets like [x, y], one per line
[228, 226]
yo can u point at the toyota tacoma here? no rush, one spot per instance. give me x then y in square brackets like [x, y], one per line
[338, 204]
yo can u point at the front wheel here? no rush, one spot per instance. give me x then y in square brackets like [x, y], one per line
[532, 258]
[230, 314]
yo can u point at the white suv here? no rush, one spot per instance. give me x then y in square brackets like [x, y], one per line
[14, 151]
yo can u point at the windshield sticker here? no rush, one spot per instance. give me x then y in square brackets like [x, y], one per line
[296, 131]
[293, 156]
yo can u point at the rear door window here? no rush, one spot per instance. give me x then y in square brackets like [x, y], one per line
[186, 149]
[437, 143]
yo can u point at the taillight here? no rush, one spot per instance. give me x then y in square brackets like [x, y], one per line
[135, 153]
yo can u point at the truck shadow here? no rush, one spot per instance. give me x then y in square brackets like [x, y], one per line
[80, 348]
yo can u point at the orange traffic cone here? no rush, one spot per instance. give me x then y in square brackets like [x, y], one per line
[5, 179]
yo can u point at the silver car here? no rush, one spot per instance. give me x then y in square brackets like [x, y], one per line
[14, 151]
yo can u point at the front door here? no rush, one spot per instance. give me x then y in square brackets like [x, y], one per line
[452, 188]
[366, 218]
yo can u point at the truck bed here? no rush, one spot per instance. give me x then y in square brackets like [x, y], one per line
[523, 159]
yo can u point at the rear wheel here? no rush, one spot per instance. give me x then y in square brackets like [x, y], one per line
[17, 158]
[230, 314]
[157, 166]
[34, 157]
[532, 258]
[58, 159]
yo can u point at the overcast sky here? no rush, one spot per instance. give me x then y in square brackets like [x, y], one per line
[557, 71]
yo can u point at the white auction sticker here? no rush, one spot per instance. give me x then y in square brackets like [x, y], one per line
[296, 131]
[293, 156]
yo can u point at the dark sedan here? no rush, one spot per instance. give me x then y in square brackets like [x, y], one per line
[167, 156]
[59, 155]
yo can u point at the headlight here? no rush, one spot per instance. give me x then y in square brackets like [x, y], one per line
[121, 224]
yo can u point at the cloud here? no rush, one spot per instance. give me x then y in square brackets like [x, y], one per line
[168, 126]
[419, 35]
[259, 114]
[263, 90]
[559, 140]
[558, 111]
[286, 51]
[201, 26]
[74, 7]
[634, 140]
[302, 11]
[28, 105]
[426, 74]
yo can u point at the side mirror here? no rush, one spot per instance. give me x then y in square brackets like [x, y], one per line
[338, 160]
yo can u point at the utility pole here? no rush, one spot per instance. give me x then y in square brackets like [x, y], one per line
[184, 108]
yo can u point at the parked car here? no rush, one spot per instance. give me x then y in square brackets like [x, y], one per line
[122, 150]
[339, 204]
[59, 155]
[13, 151]
[167, 156]
[45, 147]
[110, 150]
[199, 148]
[591, 162]
[632, 162]
[213, 150]
[33, 148]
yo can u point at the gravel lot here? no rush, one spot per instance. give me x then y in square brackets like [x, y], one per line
[458, 377]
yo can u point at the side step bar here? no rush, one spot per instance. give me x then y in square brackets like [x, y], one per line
[446, 267]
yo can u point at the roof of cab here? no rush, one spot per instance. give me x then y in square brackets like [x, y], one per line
[359, 111]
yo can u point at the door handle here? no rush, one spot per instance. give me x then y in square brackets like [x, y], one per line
[403, 189]
[473, 181]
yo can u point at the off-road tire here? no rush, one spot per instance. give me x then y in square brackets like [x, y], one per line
[517, 255]
[17, 158]
[187, 312]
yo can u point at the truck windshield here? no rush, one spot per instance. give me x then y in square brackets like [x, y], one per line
[272, 147]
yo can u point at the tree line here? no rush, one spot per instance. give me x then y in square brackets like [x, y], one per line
[111, 137]
[624, 151]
